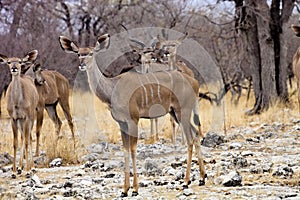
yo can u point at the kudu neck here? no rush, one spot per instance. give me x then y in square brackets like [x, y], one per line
[100, 85]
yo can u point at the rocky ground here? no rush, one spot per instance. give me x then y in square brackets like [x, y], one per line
[260, 161]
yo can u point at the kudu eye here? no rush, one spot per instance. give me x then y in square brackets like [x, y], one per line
[9, 62]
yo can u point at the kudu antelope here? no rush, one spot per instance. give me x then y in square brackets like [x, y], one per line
[22, 101]
[149, 59]
[161, 56]
[53, 89]
[133, 95]
[296, 63]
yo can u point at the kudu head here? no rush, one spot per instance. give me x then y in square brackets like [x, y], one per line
[84, 53]
[16, 64]
[169, 47]
[37, 74]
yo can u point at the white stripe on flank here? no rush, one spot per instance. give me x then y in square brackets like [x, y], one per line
[151, 88]
[144, 90]
[170, 78]
[158, 86]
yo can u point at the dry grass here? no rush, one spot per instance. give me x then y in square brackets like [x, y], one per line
[94, 123]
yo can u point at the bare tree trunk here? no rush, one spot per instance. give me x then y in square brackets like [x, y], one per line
[266, 55]
[17, 18]
[247, 24]
[285, 13]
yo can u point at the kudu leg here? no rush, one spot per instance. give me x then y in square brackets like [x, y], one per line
[51, 110]
[198, 134]
[126, 144]
[20, 124]
[30, 144]
[186, 130]
[133, 143]
[156, 129]
[27, 146]
[188, 166]
[15, 145]
[129, 134]
[39, 123]
[200, 160]
[173, 124]
[149, 139]
[66, 108]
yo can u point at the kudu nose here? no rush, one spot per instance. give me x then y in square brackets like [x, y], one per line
[14, 69]
[82, 66]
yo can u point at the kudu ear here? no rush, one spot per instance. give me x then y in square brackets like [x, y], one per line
[31, 56]
[138, 46]
[158, 44]
[182, 38]
[296, 29]
[37, 67]
[3, 59]
[68, 45]
[103, 42]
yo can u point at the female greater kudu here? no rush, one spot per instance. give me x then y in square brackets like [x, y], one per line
[22, 102]
[53, 88]
[133, 95]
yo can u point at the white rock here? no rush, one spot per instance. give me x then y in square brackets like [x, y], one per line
[57, 162]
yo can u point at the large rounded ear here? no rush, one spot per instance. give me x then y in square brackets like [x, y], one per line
[31, 56]
[68, 45]
[37, 67]
[137, 47]
[296, 29]
[183, 37]
[25, 67]
[103, 42]
[3, 59]
[158, 44]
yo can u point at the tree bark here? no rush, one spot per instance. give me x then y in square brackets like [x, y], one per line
[17, 18]
[261, 32]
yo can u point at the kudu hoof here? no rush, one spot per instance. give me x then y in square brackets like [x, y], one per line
[13, 176]
[134, 194]
[185, 186]
[123, 194]
[33, 170]
[201, 182]
[27, 175]
[19, 171]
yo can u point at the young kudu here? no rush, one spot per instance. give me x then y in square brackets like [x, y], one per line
[296, 63]
[22, 102]
[133, 95]
[53, 88]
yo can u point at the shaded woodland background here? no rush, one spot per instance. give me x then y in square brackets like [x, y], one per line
[250, 37]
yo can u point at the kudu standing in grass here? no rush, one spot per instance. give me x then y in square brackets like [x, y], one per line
[133, 95]
[296, 63]
[53, 88]
[22, 102]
